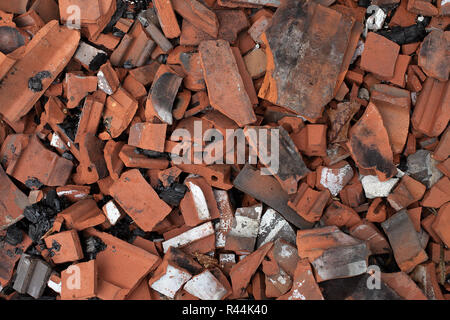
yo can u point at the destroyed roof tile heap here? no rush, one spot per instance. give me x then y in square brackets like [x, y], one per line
[221, 150]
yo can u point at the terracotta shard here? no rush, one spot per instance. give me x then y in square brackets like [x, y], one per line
[119, 111]
[32, 74]
[303, 68]
[404, 240]
[433, 55]
[145, 207]
[197, 14]
[369, 144]
[226, 89]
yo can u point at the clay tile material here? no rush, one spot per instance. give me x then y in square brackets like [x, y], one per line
[367, 231]
[312, 140]
[432, 110]
[120, 266]
[442, 150]
[199, 204]
[404, 240]
[288, 171]
[108, 80]
[19, 6]
[441, 224]
[82, 215]
[145, 207]
[332, 253]
[64, 246]
[433, 55]
[425, 277]
[88, 281]
[394, 106]
[405, 193]
[377, 211]
[268, 190]
[33, 74]
[12, 200]
[273, 227]
[294, 29]
[225, 86]
[405, 287]
[167, 18]
[242, 272]
[242, 236]
[309, 203]
[198, 15]
[304, 285]
[112, 160]
[189, 237]
[89, 118]
[438, 194]
[379, 55]
[77, 87]
[48, 168]
[369, 144]
[162, 94]
[149, 136]
[119, 110]
[340, 215]
[340, 120]
[92, 165]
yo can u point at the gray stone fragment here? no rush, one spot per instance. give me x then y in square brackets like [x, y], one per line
[422, 167]
[24, 273]
[38, 282]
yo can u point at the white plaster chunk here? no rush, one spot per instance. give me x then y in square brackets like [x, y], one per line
[112, 212]
[374, 188]
[171, 281]
[103, 83]
[335, 182]
[205, 287]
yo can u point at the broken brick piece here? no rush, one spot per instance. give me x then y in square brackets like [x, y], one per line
[64, 246]
[12, 201]
[432, 110]
[82, 215]
[139, 200]
[377, 211]
[304, 285]
[441, 224]
[405, 287]
[369, 144]
[367, 231]
[405, 193]
[242, 272]
[340, 215]
[309, 203]
[404, 240]
[85, 285]
[167, 18]
[438, 194]
[312, 140]
[119, 110]
[433, 54]
[379, 55]
[33, 73]
[305, 82]
[223, 82]
[332, 253]
[149, 136]
[198, 15]
[77, 87]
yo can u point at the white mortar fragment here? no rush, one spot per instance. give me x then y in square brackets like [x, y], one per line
[112, 212]
[205, 287]
[54, 286]
[227, 258]
[197, 233]
[57, 142]
[171, 281]
[374, 188]
[335, 181]
[103, 83]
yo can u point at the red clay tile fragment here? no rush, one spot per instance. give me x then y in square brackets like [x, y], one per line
[340, 215]
[309, 203]
[305, 92]
[304, 285]
[340, 120]
[404, 240]
[145, 206]
[369, 144]
[312, 140]
[33, 74]
[119, 110]
[82, 215]
[167, 18]
[425, 277]
[134, 159]
[64, 246]
[198, 15]
[438, 194]
[332, 253]
[441, 224]
[432, 110]
[394, 106]
[405, 287]
[149, 136]
[379, 55]
[83, 287]
[367, 231]
[433, 55]
[405, 193]
[225, 86]
[12, 200]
